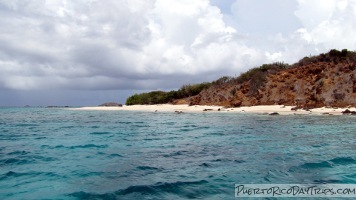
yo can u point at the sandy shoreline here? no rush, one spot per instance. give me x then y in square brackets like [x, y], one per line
[280, 109]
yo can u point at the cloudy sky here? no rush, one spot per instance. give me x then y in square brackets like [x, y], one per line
[86, 52]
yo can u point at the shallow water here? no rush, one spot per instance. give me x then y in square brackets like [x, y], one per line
[65, 154]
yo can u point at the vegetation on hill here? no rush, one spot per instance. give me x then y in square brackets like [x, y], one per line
[325, 79]
[161, 97]
[333, 56]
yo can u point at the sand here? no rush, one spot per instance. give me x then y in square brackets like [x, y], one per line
[280, 109]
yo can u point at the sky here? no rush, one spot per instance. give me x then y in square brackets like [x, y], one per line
[87, 52]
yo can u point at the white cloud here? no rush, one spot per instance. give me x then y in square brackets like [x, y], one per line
[56, 43]
[329, 23]
[313, 12]
[190, 38]
[274, 57]
[92, 44]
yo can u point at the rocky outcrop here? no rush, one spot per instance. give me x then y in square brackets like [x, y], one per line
[348, 112]
[324, 80]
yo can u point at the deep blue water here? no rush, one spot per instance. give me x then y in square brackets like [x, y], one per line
[64, 154]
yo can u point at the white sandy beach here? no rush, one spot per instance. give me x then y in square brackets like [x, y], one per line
[280, 109]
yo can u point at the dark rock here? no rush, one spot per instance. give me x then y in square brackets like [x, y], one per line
[348, 112]
[295, 108]
[274, 113]
[345, 112]
[207, 109]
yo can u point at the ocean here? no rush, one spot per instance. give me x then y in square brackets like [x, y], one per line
[52, 153]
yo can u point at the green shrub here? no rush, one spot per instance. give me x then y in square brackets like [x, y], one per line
[161, 97]
[222, 80]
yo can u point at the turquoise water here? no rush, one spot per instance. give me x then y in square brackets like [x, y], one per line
[65, 154]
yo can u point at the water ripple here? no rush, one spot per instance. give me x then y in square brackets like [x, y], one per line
[65, 154]
[182, 189]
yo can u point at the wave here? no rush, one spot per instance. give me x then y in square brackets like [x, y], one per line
[177, 153]
[89, 146]
[343, 161]
[15, 161]
[22, 158]
[328, 181]
[100, 133]
[168, 123]
[40, 138]
[68, 127]
[144, 170]
[27, 125]
[76, 146]
[88, 174]
[113, 155]
[324, 164]
[12, 174]
[205, 165]
[148, 168]
[225, 160]
[18, 153]
[182, 189]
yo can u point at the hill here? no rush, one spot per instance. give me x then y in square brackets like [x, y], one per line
[325, 80]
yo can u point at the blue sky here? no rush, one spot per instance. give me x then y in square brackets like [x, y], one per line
[86, 52]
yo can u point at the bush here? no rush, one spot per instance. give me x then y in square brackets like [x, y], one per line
[261, 72]
[222, 80]
[192, 90]
[334, 53]
[161, 97]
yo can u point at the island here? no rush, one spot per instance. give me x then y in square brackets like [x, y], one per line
[323, 84]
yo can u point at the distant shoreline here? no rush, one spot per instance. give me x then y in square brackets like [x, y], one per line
[267, 109]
